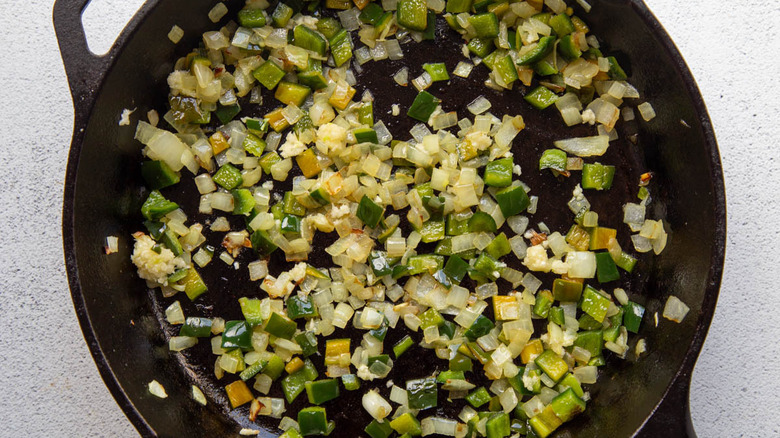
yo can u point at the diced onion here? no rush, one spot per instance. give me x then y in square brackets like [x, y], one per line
[375, 405]
[675, 310]
[157, 390]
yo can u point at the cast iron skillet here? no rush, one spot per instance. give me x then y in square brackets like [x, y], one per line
[121, 318]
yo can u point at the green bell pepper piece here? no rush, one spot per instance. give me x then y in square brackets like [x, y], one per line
[251, 18]
[480, 46]
[538, 52]
[481, 221]
[253, 370]
[369, 212]
[423, 105]
[594, 304]
[566, 290]
[280, 326]
[268, 74]
[262, 243]
[480, 327]
[552, 365]
[309, 39]
[375, 429]
[313, 421]
[307, 342]
[497, 426]
[322, 391]
[401, 346]
[460, 362]
[541, 97]
[422, 393]
[412, 14]
[301, 307]
[555, 159]
[437, 71]
[158, 175]
[156, 206]
[237, 334]
[228, 177]
[632, 316]
[196, 327]
[341, 47]
[597, 176]
[512, 200]
[407, 424]
[606, 270]
[456, 268]
[592, 341]
[485, 25]
[498, 173]
[478, 397]
[567, 404]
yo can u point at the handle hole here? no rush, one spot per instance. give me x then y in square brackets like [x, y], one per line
[104, 20]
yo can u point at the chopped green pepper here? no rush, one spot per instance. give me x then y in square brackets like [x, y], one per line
[322, 391]
[594, 304]
[251, 18]
[401, 346]
[481, 221]
[254, 144]
[437, 71]
[567, 290]
[480, 327]
[632, 316]
[196, 327]
[301, 307]
[156, 206]
[606, 270]
[569, 48]
[498, 173]
[412, 14]
[262, 243]
[158, 175]
[341, 47]
[552, 365]
[407, 424]
[541, 97]
[553, 159]
[369, 212]
[253, 370]
[485, 25]
[422, 393]
[237, 334]
[309, 39]
[597, 176]
[375, 429]
[478, 397]
[497, 426]
[194, 286]
[280, 326]
[591, 341]
[423, 105]
[512, 200]
[228, 177]
[456, 268]
[226, 113]
[538, 52]
[268, 74]
[313, 421]
[567, 404]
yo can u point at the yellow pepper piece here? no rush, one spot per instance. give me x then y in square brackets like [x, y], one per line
[218, 142]
[307, 161]
[342, 95]
[294, 365]
[506, 308]
[238, 393]
[600, 237]
[532, 349]
[276, 120]
[337, 352]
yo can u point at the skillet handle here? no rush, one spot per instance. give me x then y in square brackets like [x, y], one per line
[84, 69]
[672, 418]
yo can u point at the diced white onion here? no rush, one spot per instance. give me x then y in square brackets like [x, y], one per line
[675, 310]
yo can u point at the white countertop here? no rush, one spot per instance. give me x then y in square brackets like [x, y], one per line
[50, 385]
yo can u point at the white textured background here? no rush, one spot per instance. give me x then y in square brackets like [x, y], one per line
[49, 385]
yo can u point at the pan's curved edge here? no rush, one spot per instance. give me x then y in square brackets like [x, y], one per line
[82, 109]
[679, 387]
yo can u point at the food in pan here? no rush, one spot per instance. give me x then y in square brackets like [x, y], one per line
[418, 227]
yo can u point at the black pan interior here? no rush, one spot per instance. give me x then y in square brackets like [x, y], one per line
[123, 319]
